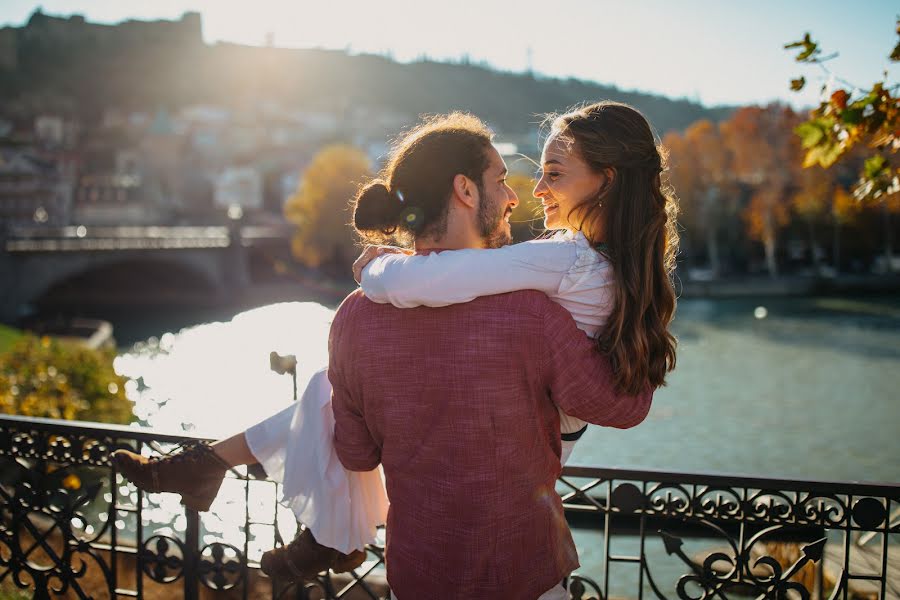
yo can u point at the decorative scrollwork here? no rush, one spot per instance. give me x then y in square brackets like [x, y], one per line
[825, 510]
[579, 585]
[221, 566]
[64, 513]
[162, 558]
[669, 500]
[37, 545]
[770, 506]
[718, 503]
[763, 575]
[72, 448]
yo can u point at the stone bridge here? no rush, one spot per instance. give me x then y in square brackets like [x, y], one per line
[212, 258]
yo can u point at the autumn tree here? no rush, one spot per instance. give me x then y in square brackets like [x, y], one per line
[763, 151]
[700, 172]
[682, 174]
[814, 191]
[844, 211]
[320, 208]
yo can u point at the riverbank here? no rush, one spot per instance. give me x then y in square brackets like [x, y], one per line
[8, 337]
[331, 292]
[790, 286]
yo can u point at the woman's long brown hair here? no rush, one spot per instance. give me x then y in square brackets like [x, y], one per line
[634, 220]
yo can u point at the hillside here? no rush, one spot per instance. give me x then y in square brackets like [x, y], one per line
[65, 64]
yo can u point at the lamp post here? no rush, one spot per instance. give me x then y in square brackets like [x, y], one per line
[238, 271]
[284, 364]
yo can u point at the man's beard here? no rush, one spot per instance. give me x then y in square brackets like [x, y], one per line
[491, 224]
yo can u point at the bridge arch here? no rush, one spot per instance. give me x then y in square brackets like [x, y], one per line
[195, 275]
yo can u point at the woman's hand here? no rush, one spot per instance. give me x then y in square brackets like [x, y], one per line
[369, 254]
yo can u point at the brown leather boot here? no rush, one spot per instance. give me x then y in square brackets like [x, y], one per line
[195, 471]
[304, 558]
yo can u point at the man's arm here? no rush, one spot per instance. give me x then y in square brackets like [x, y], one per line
[353, 442]
[580, 378]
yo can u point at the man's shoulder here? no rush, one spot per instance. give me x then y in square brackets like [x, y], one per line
[353, 299]
[527, 304]
[356, 304]
[520, 303]
[349, 306]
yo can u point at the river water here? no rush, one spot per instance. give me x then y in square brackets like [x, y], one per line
[795, 387]
[803, 388]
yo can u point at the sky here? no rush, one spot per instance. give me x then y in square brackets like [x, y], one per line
[714, 52]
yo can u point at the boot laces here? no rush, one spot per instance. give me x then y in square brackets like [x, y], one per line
[188, 452]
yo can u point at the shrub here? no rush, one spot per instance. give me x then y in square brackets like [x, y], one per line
[44, 377]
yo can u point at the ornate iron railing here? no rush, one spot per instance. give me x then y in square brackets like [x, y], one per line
[72, 527]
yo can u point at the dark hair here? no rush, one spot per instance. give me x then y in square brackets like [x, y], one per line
[636, 218]
[410, 196]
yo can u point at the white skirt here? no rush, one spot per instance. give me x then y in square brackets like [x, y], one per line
[296, 447]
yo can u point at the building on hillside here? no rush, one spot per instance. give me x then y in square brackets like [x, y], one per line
[118, 199]
[53, 131]
[33, 191]
[240, 187]
[162, 151]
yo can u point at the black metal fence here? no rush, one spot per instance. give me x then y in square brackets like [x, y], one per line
[72, 527]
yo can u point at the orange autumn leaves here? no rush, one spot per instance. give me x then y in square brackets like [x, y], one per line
[751, 168]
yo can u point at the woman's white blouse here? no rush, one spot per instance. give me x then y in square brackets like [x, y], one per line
[565, 267]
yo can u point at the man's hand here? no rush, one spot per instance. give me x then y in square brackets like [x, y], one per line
[369, 254]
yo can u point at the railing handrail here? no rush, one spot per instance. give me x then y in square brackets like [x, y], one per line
[143, 434]
[887, 489]
[871, 488]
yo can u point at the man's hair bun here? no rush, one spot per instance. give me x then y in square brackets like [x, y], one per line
[377, 209]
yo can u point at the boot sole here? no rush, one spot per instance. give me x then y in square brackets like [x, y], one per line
[345, 566]
[198, 503]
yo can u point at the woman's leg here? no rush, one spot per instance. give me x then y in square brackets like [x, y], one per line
[234, 450]
[196, 470]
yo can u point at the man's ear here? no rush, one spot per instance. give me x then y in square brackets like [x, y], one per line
[464, 189]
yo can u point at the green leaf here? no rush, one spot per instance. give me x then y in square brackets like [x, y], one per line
[824, 154]
[895, 55]
[852, 116]
[797, 84]
[810, 49]
[865, 100]
[810, 132]
[874, 166]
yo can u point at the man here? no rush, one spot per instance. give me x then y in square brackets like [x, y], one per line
[457, 403]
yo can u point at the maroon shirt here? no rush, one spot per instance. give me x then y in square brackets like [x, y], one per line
[457, 404]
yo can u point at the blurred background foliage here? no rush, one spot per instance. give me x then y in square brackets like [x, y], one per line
[60, 379]
[321, 209]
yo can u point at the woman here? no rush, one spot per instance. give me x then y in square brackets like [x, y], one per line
[610, 266]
